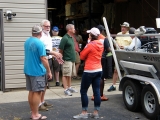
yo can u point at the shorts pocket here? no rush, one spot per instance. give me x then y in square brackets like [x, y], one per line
[40, 83]
[66, 70]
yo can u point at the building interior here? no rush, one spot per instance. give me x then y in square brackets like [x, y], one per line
[85, 14]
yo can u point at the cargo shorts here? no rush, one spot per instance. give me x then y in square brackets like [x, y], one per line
[35, 83]
[68, 68]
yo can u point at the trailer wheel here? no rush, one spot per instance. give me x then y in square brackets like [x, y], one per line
[150, 103]
[132, 95]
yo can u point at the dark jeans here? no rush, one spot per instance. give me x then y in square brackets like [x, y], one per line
[107, 67]
[87, 79]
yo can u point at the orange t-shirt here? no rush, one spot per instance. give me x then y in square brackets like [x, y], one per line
[101, 37]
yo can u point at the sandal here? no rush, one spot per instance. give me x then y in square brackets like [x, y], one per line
[74, 77]
[41, 118]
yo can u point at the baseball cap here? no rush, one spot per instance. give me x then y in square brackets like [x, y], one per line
[100, 27]
[55, 28]
[94, 31]
[36, 29]
[125, 24]
[132, 30]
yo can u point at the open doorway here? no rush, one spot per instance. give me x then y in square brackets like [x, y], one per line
[56, 14]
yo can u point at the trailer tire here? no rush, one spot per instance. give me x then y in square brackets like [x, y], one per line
[132, 96]
[150, 104]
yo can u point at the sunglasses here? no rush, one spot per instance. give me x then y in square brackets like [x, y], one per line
[46, 26]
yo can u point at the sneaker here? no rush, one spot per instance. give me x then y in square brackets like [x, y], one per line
[104, 98]
[67, 92]
[95, 116]
[42, 108]
[92, 98]
[47, 104]
[57, 84]
[112, 88]
[72, 90]
[81, 116]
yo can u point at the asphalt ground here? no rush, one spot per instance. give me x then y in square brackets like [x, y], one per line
[66, 108]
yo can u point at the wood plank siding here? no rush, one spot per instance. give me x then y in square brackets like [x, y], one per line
[28, 13]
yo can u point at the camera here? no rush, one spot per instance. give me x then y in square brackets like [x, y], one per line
[9, 14]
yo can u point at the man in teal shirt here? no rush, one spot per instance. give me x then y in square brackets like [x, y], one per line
[35, 68]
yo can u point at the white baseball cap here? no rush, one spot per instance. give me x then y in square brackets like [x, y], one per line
[94, 31]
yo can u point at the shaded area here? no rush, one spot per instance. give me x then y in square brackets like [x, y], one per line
[64, 109]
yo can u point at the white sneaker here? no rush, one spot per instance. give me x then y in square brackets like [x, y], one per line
[72, 90]
[67, 92]
[81, 116]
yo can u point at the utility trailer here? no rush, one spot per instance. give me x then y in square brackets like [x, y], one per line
[140, 85]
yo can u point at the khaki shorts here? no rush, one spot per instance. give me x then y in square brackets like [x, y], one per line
[77, 58]
[68, 69]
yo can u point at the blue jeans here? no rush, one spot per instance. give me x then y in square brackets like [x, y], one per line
[87, 79]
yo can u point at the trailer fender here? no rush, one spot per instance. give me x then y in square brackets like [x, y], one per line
[154, 83]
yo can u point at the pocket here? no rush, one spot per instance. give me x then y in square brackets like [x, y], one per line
[40, 83]
[66, 69]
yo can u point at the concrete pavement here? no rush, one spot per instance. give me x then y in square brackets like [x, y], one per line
[14, 105]
[19, 95]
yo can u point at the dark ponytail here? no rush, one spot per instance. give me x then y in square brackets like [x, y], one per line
[93, 37]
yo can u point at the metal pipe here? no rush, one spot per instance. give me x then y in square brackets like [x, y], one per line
[135, 43]
[111, 45]
[125, 35]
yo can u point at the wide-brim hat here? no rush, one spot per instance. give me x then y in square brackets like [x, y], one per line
[125, 24]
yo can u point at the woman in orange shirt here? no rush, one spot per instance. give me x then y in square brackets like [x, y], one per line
[91, 54]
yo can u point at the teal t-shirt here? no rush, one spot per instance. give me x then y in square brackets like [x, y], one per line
[67, 45]
[33, 50]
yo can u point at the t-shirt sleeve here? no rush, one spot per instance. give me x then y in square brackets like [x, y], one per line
[106, 44]
[41, 49]
[62, 43]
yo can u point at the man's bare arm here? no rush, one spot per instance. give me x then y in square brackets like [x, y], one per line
[61, 51]
[46, 65]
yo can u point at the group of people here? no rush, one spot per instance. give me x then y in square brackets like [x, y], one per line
[98, 65]
[45, 55]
